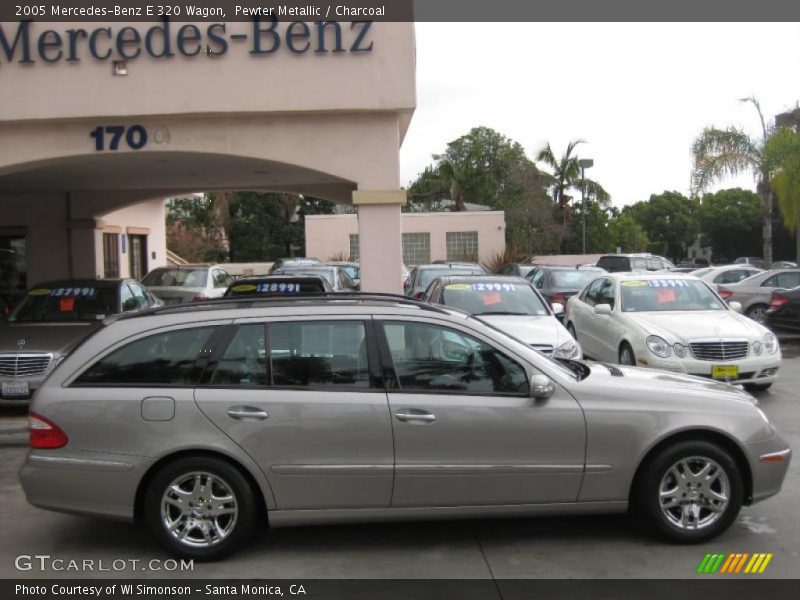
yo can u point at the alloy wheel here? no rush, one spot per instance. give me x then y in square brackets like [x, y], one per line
[694, 493]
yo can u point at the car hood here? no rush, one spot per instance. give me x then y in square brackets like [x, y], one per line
[695, 325]
[57, 338]
[538, 330]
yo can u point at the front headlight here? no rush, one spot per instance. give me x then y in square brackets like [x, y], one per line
[569, 349]
[770, 343]
[679, 350]
[658, 346]
[757, 347]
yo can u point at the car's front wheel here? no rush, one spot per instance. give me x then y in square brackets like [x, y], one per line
[690, 492]
[200, 508]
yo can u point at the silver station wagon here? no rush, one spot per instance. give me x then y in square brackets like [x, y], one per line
[206, 421]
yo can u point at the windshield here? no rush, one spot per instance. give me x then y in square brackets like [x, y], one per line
[573, 279]
[650, 295]
[192, 278]
[352, 271]
[494, 298]
[276, 287]
[428, 275]
[66, 304]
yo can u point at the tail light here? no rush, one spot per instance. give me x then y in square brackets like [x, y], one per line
[559, 299]
[199, 298]
[725, 294]
[778, 301]
[418, 295]
[44, 433]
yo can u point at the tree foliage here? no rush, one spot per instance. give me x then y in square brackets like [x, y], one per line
[669, 220]
[783, 150]
[730, 222]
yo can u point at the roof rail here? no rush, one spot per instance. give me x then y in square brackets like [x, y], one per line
[249, 301]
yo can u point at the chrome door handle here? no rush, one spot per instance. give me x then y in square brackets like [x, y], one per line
[412, 416]
[247, 412]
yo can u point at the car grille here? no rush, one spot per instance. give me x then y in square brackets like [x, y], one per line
[721, 350]
[24, 365]
[543, 348]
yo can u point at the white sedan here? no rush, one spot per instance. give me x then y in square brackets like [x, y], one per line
[673, 322]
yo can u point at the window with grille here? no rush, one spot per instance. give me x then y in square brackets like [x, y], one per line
[462, 245]
[416, 248]
[353, 246]
[110, 255]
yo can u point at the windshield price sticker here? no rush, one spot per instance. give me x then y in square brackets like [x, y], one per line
[247, 287]
[493, 287]
[667, 283]
[289, 288]
[78, 292]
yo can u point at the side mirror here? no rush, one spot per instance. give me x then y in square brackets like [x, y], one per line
[541, 387]
[558, 308]
[735, 306]
[602, 309]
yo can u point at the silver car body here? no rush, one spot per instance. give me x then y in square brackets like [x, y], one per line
[327, 455]
[726, 274]
[188, 283]
[754, 293]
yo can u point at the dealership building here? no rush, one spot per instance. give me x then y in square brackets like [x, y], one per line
[99, 122]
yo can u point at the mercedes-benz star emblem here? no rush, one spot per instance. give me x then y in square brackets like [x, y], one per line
[20, 344]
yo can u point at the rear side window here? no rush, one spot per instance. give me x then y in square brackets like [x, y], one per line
[614, 264]
[244, 362]
[168, 358]
[319, 353]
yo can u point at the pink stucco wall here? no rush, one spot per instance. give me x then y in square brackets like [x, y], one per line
[329, 235]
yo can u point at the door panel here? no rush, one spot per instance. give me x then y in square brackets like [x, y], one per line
[472, 449]
[307, 409]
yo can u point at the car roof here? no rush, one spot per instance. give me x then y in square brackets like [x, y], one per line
[499, 278]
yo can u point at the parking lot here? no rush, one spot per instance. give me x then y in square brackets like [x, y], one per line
[574, 547]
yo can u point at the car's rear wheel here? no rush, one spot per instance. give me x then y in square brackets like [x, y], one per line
[757, 312]
[200, 508]
[690, 492]
[626, 356]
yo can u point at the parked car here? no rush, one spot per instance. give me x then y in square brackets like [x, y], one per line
[678, 270]
[377, 408]
[518, 269]
[295, 261]
[509, 303]
[278, 285]
[625, 263]
[405, 273]
[672, 322]
[755, 293]
[783, 264]
[422, 275]
[750, 260]
[53, 317]
[697, 262]
[187, 283]
[351, 268]
[337, 277]
[726, 274]
[558, 284]
[784, 311]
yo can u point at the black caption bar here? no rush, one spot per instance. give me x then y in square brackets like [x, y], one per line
[400, 10]
[440, 589]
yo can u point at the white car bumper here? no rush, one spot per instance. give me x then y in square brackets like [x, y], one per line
[760, 370]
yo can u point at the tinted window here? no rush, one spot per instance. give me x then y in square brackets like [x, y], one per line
[571, 279]
[245, 359]
[167, 358]
[613, 264]
[66, 304]
[593, 291]
[789, 280]
[176, 278]
[493, 297]
[770, 282]
[319, 353]
[431, 358]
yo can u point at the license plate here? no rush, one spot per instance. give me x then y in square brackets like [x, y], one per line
[725, 372]
[14, 388]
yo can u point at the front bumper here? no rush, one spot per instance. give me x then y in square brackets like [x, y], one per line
[752, 369]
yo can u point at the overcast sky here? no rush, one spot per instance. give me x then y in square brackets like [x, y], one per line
[637, 93]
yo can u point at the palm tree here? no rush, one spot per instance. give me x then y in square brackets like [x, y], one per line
[567, 174]
[783, 151]
[722, 152]
[452, 175]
